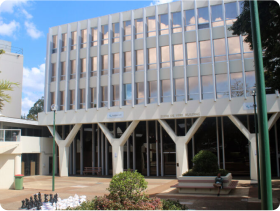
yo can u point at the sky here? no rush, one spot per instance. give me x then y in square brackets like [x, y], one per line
[25, 23]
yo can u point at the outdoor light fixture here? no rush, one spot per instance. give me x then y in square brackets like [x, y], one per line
[54, 109]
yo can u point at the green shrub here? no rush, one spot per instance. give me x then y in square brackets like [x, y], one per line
[127, 185]
[223, 172]
[205, 161]
[172, 205]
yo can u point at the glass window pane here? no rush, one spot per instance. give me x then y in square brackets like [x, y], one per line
[94, 34]
[177, 22]
[191, 50]
[104, 62]
[236, 84]
[105, 32]
[153, 89]
[139, 26]
[219, 47]
[203, 15]
[116, 29]
[104, 91]
[178, 52]
[222, 86]
[207, 86]
[152, 55]
[116, 92]
[127, 92]
[127, 61]
[93, 98]
[164, 52]
[163, 24]
[116, 60]
[190, 20]
[246, 46]
[179, 86]
[193, 89]
[250, 81]
[217, 15]
[233, 45]
[231, 11]
[94, 63]
[165, 88]
[241, 6]
[140, 90]
[205, 48]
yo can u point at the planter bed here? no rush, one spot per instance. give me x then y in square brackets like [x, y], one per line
[204, 184]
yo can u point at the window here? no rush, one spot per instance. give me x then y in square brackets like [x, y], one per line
[193, 89]
[53, 71]
[163, 24]
[152, 92]
[220, 50]
[72, 99]
[234, 48]
[104, 70]
[82, 98]
[205, 51]
[73, 69]
[127, 61]
[105, 34]
[93, 97]
[236, 84]
[207, 87]
[191, 53]
[94, 36]
[231, 12]
[116, 95]
[190, 20]
[151, 29]
[140, 93]
[176, 22]
[178, 55]
[217, 15]
[94, 66]
[83, 68]
[73, 40]
[139, 60]
[152, 58]
[138, 28]
[250, 81]
[127, 94]
[63, 71]
[203, 18]
[179, 89]
[116, 32]
[104, 96]
[84, 38]
[221, 86]
[52, 98]
[64, 42]
[248, 53]
[127, 30]
[164, 59]
[54, 39]
[165, 91]
[116, 63]
[62, 104]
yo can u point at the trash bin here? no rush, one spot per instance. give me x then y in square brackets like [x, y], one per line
[19, 182]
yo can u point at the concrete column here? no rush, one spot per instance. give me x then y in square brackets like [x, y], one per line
[181, 158]
[134, 150]
[157, 162]
[148, 148]
[102, 153]
[17, 164]
[93, 146]
[81, 151]
[63, 161]
[161, 153]
[74, 156]
[117, 151]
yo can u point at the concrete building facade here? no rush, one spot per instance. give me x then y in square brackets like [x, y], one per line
[147, 89]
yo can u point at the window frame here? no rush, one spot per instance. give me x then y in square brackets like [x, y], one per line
[162, 31]
[83, 38]
[139, 33]
[141, 99]
[94, 40]
[54, 44]
[72, 74]
[115, 101]
[115, 39]
[151, 33]
[177, 27]
[73, 40]
[92, 71]
[162, 64]
[83, 65]
[181, 61]
[62, 70]
[127, 101]
[189, 25]
[63, 42]
[53, 76]
[104, 41]
[127, 37]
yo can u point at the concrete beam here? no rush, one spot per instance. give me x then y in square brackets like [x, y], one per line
[240, 126]
[273, 119]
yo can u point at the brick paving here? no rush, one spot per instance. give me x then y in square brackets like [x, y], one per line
[244, 197]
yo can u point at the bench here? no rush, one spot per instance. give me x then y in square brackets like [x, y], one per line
[92, 170]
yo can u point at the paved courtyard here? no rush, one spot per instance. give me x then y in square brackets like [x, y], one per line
[242, 198]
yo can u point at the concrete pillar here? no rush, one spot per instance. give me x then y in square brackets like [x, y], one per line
[253, 157]
[74, 156]
[81, 150]
[63, 161]
[18, 164]
[181, 158]
[117, 151]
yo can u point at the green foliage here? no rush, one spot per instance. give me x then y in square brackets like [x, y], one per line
[2, 51]
[223, 172]
[270, 35]
[6, 86]
[127, 185]
[205, 161]
[37, 108]
[172, 205]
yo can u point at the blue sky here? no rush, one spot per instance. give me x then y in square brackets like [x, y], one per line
[25, 23]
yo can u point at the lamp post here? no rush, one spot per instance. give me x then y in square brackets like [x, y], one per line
[257, 142]
[53, 108]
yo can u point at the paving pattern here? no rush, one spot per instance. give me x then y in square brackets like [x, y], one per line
[242, 198]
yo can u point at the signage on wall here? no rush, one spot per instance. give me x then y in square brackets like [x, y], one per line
[180, 115]
[113, 115]
[248, 106]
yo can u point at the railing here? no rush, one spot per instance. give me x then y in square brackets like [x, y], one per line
[8, 135]
[11, 49]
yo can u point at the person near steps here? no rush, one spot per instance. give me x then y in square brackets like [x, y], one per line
[218, 183]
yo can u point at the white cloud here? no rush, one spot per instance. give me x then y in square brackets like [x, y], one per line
[8, 29]
[8, 5]
[27, 15]
[32, 31]
[33, 87]
[154, 2]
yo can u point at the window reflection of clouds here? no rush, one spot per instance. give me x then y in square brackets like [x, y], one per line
[205, 51]
[191, 53]
[190, 20]
[116, 63]
[207, 87]
[116, 95]
[165, 91]
[127, 61]
[193, 89]
[151, 22]
[222, 86]
[139, 60]
[217, 15]
[248, 53]
[203, 15]
[178, 55]
[164, 52]
[163, 24]
[179, 89]
[127, 94]
[139, 28]
[104, 96]
[220, 50]
[177, 22]
[140, 93]
[152, 58]
[236, 84]
[234, 48]
[231, 12]
[127, 30]
[116, 32]
[152, 91]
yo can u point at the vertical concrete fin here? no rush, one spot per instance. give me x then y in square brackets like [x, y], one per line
[63, 161]
[106, 132]
[168, 129]
[240, 126]
[57, 136]
[273, 120]
[193, 129]
[72, 134]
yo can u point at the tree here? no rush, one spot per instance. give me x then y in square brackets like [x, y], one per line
[269, 13]
[6, 86]
[37, 108]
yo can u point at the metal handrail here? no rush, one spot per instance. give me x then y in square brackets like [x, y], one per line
[15, 137]
[11, 49]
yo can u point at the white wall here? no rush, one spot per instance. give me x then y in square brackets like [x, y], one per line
[11, 67]
[7, 169]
